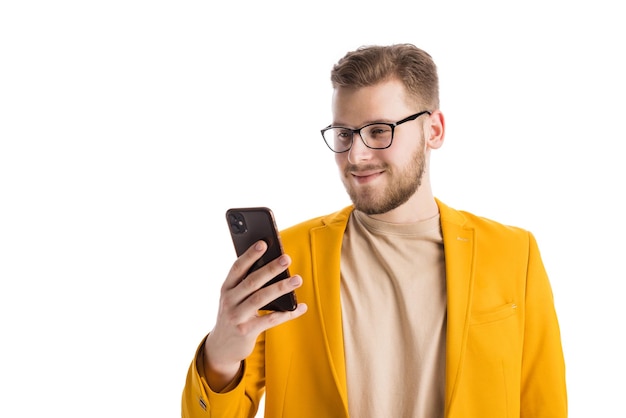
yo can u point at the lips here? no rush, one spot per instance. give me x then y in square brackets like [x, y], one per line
[366, 176]
[365, 173]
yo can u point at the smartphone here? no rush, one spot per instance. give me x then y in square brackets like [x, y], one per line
[249, 225]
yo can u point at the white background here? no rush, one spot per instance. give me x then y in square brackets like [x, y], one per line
[127, 128]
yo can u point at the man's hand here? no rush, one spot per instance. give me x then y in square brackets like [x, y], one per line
[238, 321]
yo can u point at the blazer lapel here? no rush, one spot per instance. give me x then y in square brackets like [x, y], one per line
[458, 242]
[326, 243]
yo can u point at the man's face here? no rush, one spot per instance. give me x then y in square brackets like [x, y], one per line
[378, 181]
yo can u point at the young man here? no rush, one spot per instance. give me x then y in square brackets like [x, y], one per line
[409, 308]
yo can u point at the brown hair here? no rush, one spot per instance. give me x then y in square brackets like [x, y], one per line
[369, 65]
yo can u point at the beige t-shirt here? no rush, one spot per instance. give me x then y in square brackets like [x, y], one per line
[393, 298]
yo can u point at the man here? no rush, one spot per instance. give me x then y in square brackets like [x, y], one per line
[408, 308]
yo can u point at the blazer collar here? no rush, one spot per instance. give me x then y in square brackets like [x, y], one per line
[459, 247]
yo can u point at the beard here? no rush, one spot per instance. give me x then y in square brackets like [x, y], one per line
[402, 184]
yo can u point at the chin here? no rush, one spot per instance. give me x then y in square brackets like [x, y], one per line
[372, 206]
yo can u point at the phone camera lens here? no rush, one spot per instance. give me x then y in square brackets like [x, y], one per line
[237, 223]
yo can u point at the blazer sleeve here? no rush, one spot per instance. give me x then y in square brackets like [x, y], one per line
[543, 387]
[241, 400]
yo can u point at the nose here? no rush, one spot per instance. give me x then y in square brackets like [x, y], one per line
[359, 151]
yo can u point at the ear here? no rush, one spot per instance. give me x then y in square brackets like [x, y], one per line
[435, 125]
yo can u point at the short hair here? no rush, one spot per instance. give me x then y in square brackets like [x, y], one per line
[371, 64]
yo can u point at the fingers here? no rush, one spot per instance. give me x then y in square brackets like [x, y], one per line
[261, 297]
[273, 319]
[260, 277]
[244, 295]
[242, 265]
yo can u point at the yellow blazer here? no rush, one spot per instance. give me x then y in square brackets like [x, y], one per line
[503, 357]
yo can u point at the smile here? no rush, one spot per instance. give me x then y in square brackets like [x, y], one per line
[366, 176]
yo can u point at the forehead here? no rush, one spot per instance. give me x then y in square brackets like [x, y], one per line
[387, 101]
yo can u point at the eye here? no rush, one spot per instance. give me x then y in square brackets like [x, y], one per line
[343, 134]
[379, 131]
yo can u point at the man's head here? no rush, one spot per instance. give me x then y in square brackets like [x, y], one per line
[381, 146]
[370, 65]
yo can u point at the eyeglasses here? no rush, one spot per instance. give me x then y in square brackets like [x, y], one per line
[378, 135]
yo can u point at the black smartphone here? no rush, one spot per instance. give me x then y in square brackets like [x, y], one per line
[249, 225]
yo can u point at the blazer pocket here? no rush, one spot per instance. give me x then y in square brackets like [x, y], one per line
[492, 315]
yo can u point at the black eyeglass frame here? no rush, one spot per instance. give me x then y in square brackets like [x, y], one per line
[358, 131]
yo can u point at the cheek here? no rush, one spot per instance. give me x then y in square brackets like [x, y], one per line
[404, 155]
[341, 159]
[397, 156]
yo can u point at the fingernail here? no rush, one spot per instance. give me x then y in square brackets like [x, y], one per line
[258, 246]
[283, 260]
[295, 280]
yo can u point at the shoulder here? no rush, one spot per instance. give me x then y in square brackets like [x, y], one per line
[496, 244]
[482, 226]
[336, 219]
[322, 232]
